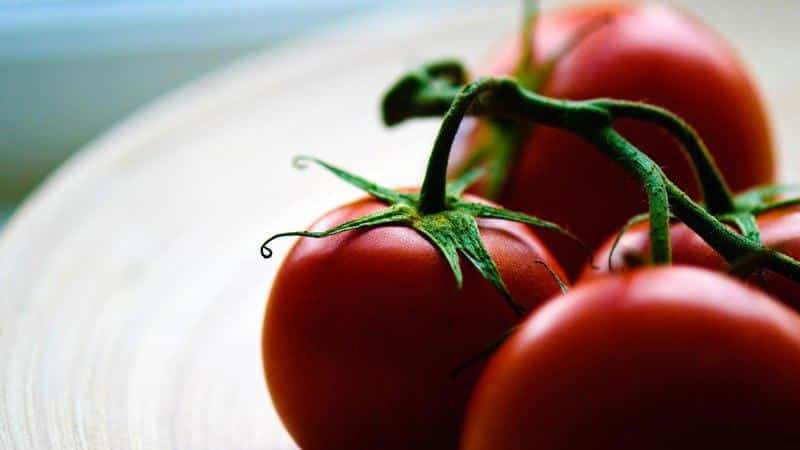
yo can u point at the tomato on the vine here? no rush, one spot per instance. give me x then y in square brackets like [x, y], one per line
[643, 52]
[780, 230]
[658, 358]
[364, 329]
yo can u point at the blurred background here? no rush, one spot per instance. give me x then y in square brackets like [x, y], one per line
[70, 69]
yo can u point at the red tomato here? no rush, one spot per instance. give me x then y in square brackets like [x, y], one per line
[668, 358]
[648, 53]
[780, 230]
[363, 330]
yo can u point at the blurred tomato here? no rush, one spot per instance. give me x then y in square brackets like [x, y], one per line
[657, 359]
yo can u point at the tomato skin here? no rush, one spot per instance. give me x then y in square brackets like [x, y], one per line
[649, 53]
[780, 230]
[666, 358]
[363, 329]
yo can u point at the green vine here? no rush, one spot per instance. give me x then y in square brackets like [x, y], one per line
[593, 120]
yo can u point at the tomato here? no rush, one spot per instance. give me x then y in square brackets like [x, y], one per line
[363, 330]
[649, 53]
[780, 230]
[667, 358]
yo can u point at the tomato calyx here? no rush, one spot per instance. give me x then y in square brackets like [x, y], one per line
[741, 215]
[497, 145]
[453, 230]
[738, 211]
[438, 212]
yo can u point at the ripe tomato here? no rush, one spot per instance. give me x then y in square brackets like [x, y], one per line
[780, 230]
[667, 358]
[363, 330]
[648, 53]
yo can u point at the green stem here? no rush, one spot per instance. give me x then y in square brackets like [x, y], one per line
[581, 116]
[435, 98]
[433, 194]
[655, 183]
[715, 191]
[730, 245]
[592, 121]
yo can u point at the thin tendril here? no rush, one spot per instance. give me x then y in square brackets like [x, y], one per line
[561, 284]
[483, 354]
[266, 252]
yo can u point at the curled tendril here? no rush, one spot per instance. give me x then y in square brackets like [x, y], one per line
[266, 252]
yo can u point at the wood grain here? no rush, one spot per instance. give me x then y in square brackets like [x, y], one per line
[132, 287]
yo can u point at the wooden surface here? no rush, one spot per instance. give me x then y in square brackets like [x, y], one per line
[132, 289]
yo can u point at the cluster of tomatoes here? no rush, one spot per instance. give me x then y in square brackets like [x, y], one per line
[365, 329]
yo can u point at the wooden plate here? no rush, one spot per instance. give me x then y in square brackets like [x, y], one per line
[132, 286]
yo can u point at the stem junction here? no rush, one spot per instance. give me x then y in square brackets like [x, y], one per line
[593, 121]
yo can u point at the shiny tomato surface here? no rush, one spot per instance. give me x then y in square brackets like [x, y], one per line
[363, 330]
[647, 52]
[780, 230]
[658, 359]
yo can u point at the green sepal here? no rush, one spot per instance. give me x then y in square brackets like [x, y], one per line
[457, 187]
[394, 214]
[764, 199]
[490, 212]
[759, 197]
[745, 222]
[453, 231]
[776, 206]
[373, 189]
[754, 202]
